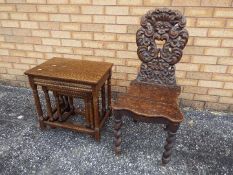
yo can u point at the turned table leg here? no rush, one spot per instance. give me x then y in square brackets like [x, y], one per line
[87, 112]
[117, 132]
[48, 103]
[109, 92]
[37, 104]
[170, 141]
[71, 104]
[66, 104]
[90, 110]
[103, 97]
[95, 96]
[57, 100]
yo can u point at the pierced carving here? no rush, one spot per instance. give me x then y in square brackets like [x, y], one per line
[158, 64]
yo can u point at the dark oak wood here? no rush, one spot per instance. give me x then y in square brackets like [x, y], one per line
[170, 141]
[103, 99]
[88, 72]
[68, 79]
[153, 95]
[41, 118]
[117, 130]
[48, 104]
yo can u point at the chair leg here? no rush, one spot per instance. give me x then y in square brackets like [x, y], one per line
[117, 132]
[165, 127]
[170, 141]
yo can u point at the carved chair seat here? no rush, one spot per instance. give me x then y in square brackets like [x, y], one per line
[152, 101]
[152, 96]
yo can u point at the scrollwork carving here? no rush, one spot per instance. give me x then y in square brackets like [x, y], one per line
[158, 64]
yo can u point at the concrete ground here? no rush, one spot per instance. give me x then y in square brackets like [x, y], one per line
[204, 144]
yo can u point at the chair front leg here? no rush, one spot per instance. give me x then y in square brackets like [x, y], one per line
[117, 131]
[170, 141]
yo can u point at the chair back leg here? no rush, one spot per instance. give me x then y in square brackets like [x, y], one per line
[117, 131]
[170, 141]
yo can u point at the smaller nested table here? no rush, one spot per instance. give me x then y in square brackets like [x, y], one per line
[66, 80]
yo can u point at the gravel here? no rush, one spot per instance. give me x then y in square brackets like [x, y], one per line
[204, 144]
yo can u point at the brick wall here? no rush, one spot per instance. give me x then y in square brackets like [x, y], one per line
[32, 31]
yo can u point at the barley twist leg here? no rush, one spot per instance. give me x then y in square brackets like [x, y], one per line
[170, 141]
[117, 132]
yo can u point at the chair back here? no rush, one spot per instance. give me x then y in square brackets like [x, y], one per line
[158, 64]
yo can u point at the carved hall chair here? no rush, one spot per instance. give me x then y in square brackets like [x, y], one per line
[152, 96]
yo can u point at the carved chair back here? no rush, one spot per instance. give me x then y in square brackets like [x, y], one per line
[158, 64]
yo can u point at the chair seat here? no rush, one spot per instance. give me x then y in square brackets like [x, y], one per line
[151, 101]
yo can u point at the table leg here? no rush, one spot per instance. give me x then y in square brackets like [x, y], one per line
[96, 113]
[71, 103]
[91, 113]
[58, 106]
[109, 92]
[87, 115]
[67, 106]
[48, 103]
[37, 104]
[103, 100]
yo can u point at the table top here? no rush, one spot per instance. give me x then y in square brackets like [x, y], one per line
[71, 70]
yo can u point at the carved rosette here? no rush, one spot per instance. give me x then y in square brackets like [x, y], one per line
[158, 64]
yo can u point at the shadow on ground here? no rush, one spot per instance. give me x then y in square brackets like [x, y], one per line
[204, 144]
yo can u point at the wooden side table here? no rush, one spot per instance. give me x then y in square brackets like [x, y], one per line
[68, 79]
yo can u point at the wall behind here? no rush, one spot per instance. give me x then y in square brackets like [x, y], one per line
[32, 31]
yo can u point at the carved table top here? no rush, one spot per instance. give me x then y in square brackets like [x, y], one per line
[90, 72]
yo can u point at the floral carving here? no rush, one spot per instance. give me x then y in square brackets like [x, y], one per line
[158, 64]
